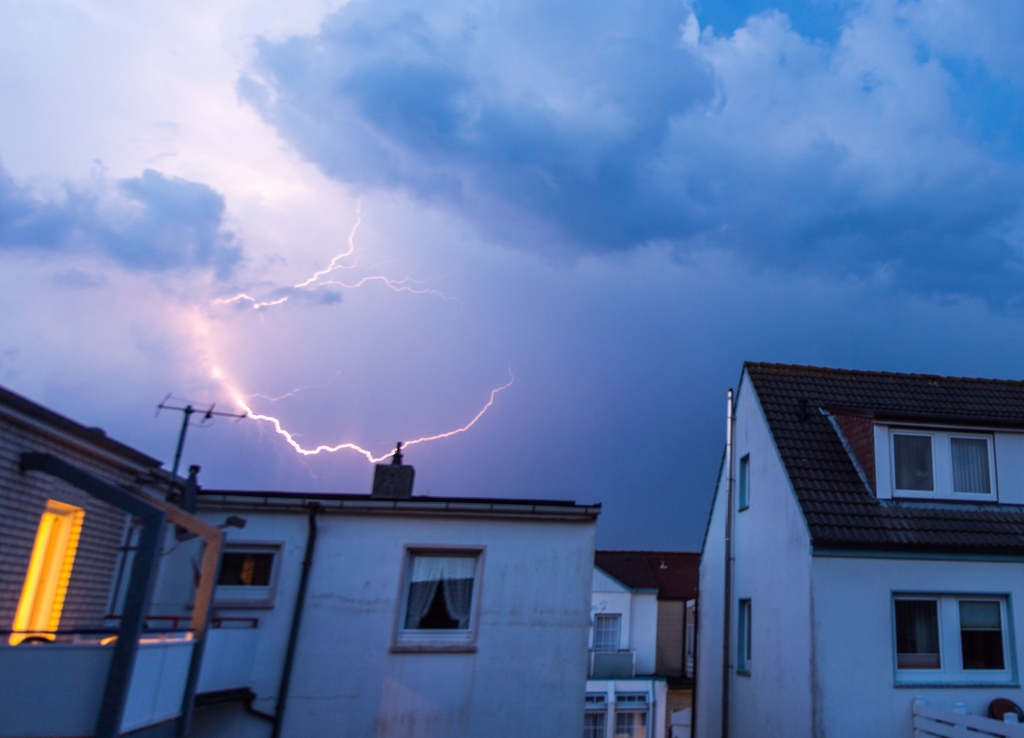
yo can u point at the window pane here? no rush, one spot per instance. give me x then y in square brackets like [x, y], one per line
[631, 725]
[245, 569]
[917, 634]
[440, 592]
[606, 632]
[744, 483]
[970, 465]
[981, 636]
[593, 725]
[913, 457]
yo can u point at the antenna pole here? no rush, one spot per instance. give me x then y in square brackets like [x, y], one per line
[186, 413]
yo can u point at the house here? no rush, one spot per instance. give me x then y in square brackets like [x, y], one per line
[865, 550]
[641, 643]
[389, 614]
[83, 521]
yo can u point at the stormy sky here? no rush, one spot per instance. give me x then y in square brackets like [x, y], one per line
[361, 218]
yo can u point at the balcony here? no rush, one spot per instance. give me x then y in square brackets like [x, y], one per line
[612, 664]
[70, 673]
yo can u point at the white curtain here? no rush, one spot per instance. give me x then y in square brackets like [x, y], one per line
[456, 573]
[970, 465]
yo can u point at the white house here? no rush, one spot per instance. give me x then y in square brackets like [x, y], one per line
[865, 548]
[638, 671]
[394, 615]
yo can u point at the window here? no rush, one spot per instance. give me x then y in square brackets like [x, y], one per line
[248, 575]
[942, 464]
[744, 483]
[438, 601]
[950, 638]
[593, 725]
[631, 715]
[48, 574]
[691, 637]
[606, 632]
[743, 632]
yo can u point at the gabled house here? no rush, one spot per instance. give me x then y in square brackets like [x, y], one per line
[865, 549]
[641, 643]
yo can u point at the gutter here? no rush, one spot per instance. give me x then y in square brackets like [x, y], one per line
[293, 636]
[729, 558]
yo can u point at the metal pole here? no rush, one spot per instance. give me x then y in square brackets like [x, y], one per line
[186, 414]
[727, 614]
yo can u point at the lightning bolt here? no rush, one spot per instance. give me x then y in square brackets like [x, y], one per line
[324, 448]
[334, 262]
[297, 390]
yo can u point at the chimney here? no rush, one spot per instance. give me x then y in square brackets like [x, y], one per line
[393, 480]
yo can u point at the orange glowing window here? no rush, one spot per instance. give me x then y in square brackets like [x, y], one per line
[49, 569]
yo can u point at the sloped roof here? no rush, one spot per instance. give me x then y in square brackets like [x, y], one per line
[841, 512]
[673, 574]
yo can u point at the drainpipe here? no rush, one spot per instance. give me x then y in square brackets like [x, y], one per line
[293, 636]
[696, 656]
[727, 614]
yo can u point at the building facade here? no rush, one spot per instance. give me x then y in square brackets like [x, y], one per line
[399, 615]
[864, 549]
[641, 658]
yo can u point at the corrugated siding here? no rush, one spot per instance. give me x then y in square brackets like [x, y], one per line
[669, 643]
[22, 501]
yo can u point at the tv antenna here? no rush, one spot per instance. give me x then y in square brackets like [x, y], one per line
[186, 414]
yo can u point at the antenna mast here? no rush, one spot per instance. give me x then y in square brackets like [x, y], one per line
[186, 414]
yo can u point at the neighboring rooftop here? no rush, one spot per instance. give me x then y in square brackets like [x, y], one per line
[843, 513]
[339, 502]
[673, 574]
[97, 437]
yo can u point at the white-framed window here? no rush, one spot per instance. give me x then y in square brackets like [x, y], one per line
[439, 600]
[248, 575]
[596, 706]
[942, 464]
[743, 633]
[607, 631]
[631, 715]
[593, 724]
[955, 639]
[743, 498]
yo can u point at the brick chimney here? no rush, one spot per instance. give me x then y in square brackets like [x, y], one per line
[394, 480]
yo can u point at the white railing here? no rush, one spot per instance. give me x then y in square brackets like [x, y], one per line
[937, 722]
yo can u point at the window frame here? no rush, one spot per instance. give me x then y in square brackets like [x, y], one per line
[618, 642]
[942, 465]
[412, 640]
[744, 631]
[951, 672]
[249, 597]
[743, 484]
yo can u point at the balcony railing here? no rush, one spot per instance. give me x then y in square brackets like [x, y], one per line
[937, 722]
[612, 664]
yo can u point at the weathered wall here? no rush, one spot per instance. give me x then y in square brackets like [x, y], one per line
[773, 569]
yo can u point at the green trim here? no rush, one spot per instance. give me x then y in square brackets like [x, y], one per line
[823, 553]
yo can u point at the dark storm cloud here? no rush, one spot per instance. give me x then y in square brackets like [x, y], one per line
[153, 223]
[604, 125]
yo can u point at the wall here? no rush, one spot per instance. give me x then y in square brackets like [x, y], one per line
[671, 624]
[854, 638]
[773, 569]
[526, 678]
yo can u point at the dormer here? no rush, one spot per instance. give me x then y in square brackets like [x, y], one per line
[916, 460]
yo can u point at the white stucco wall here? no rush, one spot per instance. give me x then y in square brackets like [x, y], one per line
[854, 638]
[526, 678]
[773, 569]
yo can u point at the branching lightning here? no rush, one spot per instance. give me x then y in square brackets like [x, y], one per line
[359, 449]
[315, 282]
